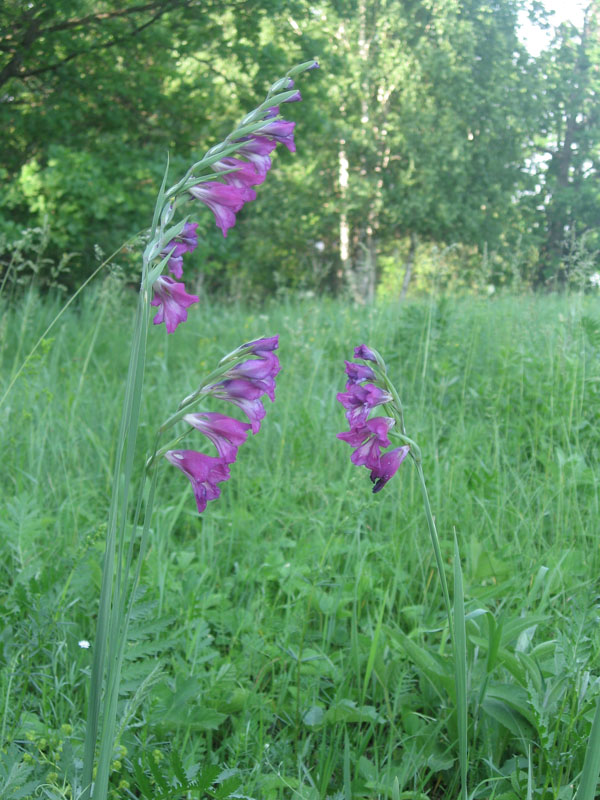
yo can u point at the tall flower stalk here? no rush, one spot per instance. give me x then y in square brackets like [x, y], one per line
[369, 387]
[222, 180]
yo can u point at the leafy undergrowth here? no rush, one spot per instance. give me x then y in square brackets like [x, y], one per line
[291, 641]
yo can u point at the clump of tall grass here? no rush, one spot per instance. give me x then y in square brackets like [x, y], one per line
[300, 612]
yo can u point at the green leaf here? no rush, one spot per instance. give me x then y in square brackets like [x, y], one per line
[591, 764]
[348, 711]
[206, 778]
[314, 716]
[438, 673]
[460, 669]
[501, 712]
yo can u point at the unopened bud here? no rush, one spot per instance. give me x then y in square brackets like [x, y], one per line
[303, 67]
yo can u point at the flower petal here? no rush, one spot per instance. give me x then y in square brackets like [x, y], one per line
[226, 433]
[223, 200]
[262, 368]
[364, 352]
[204, 473]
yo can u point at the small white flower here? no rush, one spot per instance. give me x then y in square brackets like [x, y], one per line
[83, 643]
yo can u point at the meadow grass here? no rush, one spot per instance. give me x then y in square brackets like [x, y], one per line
[296, 631]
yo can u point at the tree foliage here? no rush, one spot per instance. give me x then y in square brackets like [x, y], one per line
[568, 146]
[429, 123]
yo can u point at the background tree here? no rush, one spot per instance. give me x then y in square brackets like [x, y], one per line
[568, 147]
[429, 126]
[96, 94]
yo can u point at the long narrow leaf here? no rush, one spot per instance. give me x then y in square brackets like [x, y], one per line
[591, 764]
[373, 650]
[460, 669]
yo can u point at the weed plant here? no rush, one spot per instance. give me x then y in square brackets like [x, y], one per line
[295, 633]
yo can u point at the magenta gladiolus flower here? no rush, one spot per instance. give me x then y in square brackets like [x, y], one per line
[172, 300]
[245, 175]
[364, 352]
[223, 200]
[281, 131]
[245, 395]
[368, 439]
[226, 433]
[256, 369]
[388, 466]
[257, 150]
[204, 473]
[186, 242]
[262, 346]
[357, 373]
[359, 400]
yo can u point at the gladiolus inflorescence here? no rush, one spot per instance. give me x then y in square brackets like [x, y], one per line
[368, 387]
[242, 381]
[237, 164]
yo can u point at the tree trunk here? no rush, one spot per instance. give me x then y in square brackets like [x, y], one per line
[344, 235]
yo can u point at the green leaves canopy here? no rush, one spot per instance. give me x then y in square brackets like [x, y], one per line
[436, 107]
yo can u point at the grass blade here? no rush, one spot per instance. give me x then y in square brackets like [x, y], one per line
[591, 763]
[460, 669]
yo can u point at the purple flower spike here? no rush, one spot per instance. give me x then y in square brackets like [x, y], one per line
[204, 473]
[359, 400]
[226, 433]
[364, 352]
[387, 467]
[223, 200]
[245, 395]
[281, 131]
[172, 300]
[357, 373]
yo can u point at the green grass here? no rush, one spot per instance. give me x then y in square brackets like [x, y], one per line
[296, 631]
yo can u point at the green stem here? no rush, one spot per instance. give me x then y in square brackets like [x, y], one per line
[436, 547]
[415, 450]
[456, 625]
[106, 639]
[397, 402]
[117, 652]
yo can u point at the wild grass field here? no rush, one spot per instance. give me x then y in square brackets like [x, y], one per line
[295, 632]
